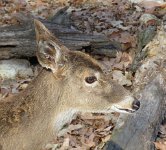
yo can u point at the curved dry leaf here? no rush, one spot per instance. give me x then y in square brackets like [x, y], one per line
[160, 146]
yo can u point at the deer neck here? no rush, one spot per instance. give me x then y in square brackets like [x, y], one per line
[37, 105]
[50, 105]
[50, 95]
[37, 113]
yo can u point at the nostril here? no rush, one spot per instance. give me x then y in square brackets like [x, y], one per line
[136, 104]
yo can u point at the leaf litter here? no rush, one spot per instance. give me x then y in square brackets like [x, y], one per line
[88, 131]
[119, 20]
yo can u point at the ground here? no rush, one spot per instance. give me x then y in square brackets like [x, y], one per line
[129, 26]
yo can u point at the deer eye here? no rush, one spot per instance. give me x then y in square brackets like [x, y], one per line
[90, 79]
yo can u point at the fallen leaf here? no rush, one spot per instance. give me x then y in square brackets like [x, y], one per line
[65, 144]
[160, 146]
[120, 78]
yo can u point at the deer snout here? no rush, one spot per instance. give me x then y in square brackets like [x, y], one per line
[127, 105]
[136, 104]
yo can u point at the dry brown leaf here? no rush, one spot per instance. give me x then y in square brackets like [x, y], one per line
[160, 146]
[121, 78]
[163, 130]
[106, 139]
[151, 4]
[88, 141]
[65, 144]
[126, 37]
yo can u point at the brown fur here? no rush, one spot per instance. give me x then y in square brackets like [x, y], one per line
[31, 119]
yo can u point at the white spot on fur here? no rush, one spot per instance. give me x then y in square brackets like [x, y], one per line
[58, 51]
[65, 117]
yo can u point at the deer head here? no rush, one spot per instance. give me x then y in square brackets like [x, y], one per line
[71, 82]
[86, 87]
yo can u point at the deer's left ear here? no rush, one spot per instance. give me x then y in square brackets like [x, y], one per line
[51, 52]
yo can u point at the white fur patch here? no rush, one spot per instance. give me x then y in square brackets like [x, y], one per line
[114, 108]
[58, 51]
[64, 117]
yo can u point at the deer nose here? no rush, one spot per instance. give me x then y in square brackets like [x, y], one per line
[136, 104]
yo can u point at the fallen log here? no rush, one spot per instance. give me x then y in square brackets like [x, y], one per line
[139, 130]
[19, 41]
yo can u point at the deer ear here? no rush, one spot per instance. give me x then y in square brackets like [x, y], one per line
[50, 52]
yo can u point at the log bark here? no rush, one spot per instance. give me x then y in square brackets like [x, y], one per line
[140, 129]
[19, 41]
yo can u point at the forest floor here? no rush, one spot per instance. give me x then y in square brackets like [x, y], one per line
[130, 25]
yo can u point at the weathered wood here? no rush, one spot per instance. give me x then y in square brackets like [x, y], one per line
[140, 129]
[144, 37]
[20, 41]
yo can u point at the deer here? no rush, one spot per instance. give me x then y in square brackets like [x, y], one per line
[69, 82]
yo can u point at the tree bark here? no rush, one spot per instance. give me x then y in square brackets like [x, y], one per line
[19, 41]
[141, 128]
